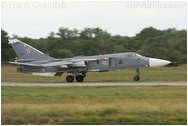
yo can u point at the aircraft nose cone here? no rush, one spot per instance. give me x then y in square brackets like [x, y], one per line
[153, 62]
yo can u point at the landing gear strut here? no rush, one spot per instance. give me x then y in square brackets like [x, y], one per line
[137, 77]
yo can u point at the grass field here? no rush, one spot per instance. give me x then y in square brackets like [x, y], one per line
[9, 74]
[94, 105]
[98, 104]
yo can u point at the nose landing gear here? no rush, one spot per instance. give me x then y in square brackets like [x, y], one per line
[137, 77]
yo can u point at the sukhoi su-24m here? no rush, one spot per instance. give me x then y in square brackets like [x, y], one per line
[31, 60]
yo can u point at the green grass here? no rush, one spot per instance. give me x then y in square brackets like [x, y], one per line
[9, 74]
[99, 104]
[94, 105]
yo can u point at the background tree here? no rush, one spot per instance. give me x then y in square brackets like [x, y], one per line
[169, 44]
[7, 52]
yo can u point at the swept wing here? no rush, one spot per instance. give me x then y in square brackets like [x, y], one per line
[63, 64]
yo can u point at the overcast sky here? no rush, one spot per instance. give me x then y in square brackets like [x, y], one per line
[36, 19]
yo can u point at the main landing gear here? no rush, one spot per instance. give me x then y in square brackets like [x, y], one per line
[69, 78]
[79, 78]
[137, 77]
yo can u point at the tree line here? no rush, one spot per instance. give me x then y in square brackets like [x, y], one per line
[169, 44]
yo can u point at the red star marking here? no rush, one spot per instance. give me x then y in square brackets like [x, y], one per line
[120, 61]
[28, 50]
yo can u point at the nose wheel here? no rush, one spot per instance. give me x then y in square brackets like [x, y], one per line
[137, 77]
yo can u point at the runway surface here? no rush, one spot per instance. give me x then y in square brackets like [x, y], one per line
[168, 83]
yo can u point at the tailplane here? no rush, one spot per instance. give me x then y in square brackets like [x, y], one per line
[25, 51]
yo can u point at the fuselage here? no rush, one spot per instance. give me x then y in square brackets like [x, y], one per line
[102, 64]
[117, 61]
[31, 60]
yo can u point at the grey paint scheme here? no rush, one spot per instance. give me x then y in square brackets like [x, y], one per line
[129, 60]
[20, 49]
[112, 59]
[31, 60]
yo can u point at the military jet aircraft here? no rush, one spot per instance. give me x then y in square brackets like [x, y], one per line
[31, 60]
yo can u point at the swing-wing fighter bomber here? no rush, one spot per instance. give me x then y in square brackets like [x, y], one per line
[31, 60]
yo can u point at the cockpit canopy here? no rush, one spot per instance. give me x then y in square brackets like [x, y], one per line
[132, 54]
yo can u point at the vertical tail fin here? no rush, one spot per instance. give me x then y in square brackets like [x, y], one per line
[25, 51]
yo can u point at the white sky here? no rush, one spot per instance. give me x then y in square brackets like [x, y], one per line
[36, 19]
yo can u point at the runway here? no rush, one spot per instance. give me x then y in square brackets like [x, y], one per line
[157, 83]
